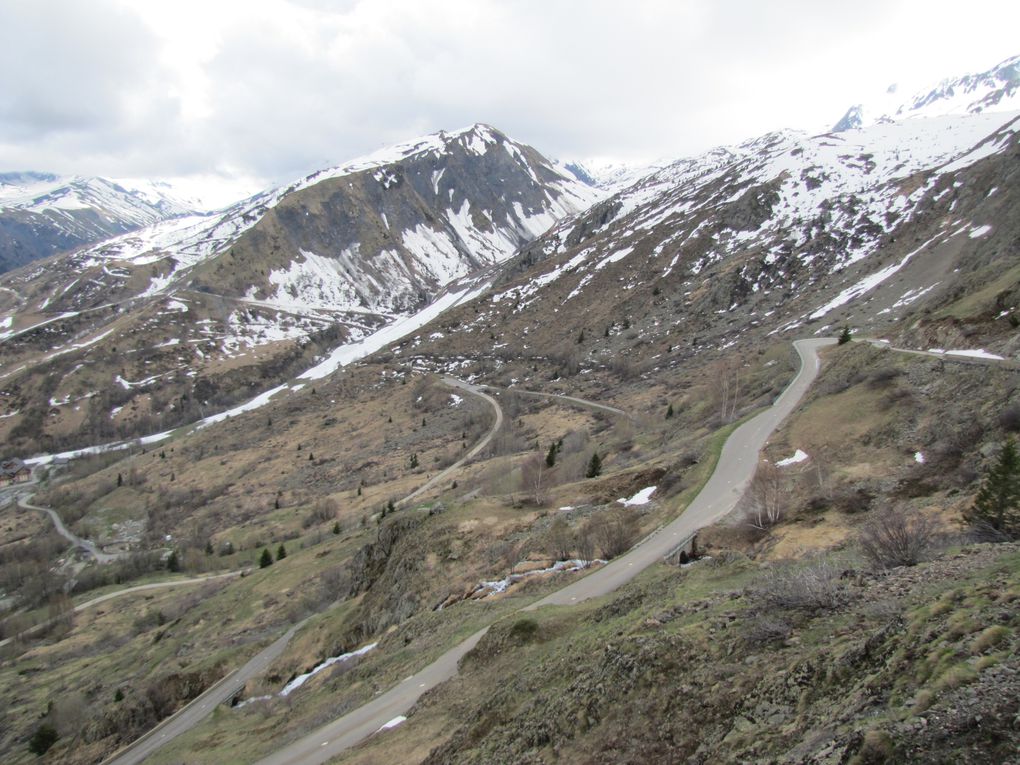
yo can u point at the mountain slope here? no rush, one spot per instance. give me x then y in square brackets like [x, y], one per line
[997, 89]
[42, 214]
[784, 233]
[385, 234]
[211, 306]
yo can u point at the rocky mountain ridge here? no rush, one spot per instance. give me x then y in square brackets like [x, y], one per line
[42, 213]
[786, 233]
[331, 258]
[996, 89]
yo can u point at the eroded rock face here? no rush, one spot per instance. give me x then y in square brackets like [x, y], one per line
[386, 238]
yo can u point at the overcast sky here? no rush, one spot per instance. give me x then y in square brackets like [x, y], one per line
[268, 90]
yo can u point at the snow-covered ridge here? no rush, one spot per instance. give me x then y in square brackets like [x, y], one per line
[42, 192]
[610, 175]
[797, 210]
[429, 212]
[997, 89]
[194, 239]
[861, 167]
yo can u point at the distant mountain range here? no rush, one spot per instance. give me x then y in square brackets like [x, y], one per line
[338, 254]
[42, 214]
[511, 255]
[997, 89]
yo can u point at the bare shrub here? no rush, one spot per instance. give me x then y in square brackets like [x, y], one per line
[811, 587]
[535, 475]
[884, 376]
[323, 511]
[851, 499]
[560, 541]
[765, 629]
[584, 543]
[615, 531]
[766, 497]
[982, 531]
[897, 539]
[1009, 418]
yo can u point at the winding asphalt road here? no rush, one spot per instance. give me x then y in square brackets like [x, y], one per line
[197, 710]
[956, 357]
[479, 390]
[475, 390]
[585, 404]
[720, 495]
[128, 591]
[188, 717]
[84, 544]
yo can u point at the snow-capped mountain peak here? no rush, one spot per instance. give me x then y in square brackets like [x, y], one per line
[142, 203]
[352, 247]
[610, 175]
[996, 89]
[42, 213]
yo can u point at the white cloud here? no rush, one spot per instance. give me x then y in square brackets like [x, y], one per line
[275, 88]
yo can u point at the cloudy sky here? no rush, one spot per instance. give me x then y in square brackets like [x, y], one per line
[263, 91]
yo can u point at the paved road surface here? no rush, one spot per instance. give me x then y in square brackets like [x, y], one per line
[201, 707]
[128, 591]
[570, 399]
[77, 541]
[333, 738]
[736, 467]
[945, 355]
[724, 488]
[474, 390]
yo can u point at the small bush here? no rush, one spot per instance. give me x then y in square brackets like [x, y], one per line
[523, 631]
[813, 587]
[955, 676]
[615, 532]
[764, 629]
[876, 748]
[44, 737]
[897, 539]
[884, 376]
[1009, 418]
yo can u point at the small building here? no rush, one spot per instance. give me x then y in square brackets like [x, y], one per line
[14, 471]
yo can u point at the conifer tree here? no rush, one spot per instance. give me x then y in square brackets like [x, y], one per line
[997, 504]
[669, 412]
[266, 559]
[844, 336]
[594, 466]
[44, 737]
[550, 457]
[281, 552]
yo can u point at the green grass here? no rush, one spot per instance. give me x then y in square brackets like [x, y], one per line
[981, 300]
